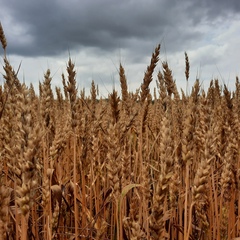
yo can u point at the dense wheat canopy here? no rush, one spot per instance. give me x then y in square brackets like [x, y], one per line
[134, 165]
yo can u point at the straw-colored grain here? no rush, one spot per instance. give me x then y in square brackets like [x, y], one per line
[136, 165]
[3, 38]
[148, 75]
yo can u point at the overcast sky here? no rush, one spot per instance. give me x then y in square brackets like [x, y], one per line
[101, 33]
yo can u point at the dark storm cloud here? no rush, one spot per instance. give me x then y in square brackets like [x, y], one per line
[216, 8]
[51, 27]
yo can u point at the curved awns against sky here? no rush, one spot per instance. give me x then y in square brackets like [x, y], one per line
[99, 34]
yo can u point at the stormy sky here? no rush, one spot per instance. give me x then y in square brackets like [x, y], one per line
[102, 33]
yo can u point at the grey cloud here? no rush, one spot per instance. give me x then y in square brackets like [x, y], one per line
[56, 26]
[212, 11]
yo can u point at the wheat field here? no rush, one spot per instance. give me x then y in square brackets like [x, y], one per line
[133, 166]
